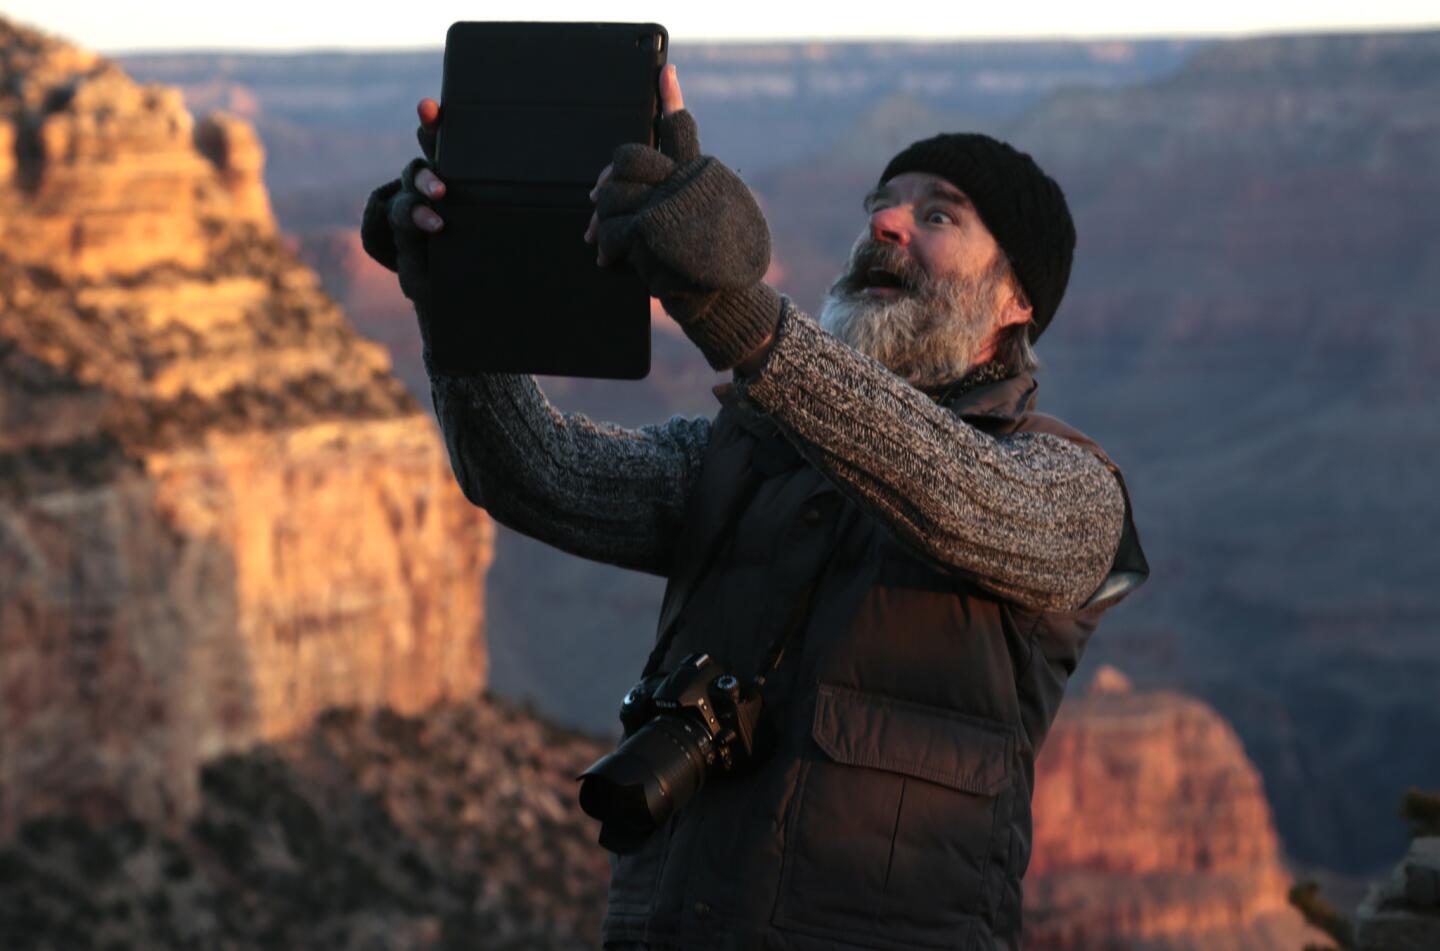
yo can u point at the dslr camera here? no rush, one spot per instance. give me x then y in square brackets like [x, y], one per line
[680, 729]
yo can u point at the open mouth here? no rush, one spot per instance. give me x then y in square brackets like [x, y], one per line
[879, 281]
[879, 277]
[879, 269]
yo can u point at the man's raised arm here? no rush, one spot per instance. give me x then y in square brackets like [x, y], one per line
[593, 489]
[1034, 517]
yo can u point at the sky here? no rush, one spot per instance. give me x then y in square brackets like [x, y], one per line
[112, 27]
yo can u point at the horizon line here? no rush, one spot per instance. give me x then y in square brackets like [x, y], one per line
[839, 40]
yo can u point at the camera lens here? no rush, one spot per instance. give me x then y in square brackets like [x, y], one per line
[636, 788]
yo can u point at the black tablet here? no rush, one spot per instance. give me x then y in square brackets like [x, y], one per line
[529, 115]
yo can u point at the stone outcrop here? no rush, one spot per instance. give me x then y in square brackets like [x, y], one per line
[371, 297]
[1403, 912]
[220, 512]
[456, 829]
[1152, 831]
[109, 176]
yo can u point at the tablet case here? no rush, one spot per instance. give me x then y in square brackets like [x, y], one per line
[530, 114]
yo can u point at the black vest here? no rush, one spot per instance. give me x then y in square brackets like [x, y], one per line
[909, 705]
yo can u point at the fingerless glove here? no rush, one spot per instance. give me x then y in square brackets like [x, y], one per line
[695, 234]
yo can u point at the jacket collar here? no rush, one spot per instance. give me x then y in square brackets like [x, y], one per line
[1006, 399]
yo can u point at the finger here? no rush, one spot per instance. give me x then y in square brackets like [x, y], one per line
[429, 183]
[670, 98]
[602, 178]
[592, 232]
[427, 131]
[678, 137]
[621, 198]
[426, 219]
[409, 216]
[426, 138]
[614, 236]
[412, 169]
[634, 162]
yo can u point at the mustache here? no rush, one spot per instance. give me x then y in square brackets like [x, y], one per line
[880, 255]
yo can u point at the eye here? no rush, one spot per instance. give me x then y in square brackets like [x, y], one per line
[936, 216]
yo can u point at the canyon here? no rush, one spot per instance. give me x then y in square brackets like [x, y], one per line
[220, 512]
[1249, 331]
[250, 629]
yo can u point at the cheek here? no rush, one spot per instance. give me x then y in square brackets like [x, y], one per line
[957, 255]
[941, 256]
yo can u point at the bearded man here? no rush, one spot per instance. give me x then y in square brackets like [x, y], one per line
[876, 494]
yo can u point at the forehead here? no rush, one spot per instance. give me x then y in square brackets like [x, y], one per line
[915, 186]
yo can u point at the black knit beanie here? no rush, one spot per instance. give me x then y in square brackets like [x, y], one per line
[1022, 206]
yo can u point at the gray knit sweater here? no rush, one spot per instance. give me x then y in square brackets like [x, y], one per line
[1032, 516]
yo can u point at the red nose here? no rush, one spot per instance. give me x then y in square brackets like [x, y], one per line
[888, 224]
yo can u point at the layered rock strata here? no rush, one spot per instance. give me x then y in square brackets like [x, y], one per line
[220, 512]
[1152, 831]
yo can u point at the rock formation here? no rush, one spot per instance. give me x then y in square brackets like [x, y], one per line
[1152, 831]
[220, 513]
[1403, 912]
[371, 297]
[457, 829]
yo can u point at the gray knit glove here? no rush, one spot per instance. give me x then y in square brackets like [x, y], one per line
[692, 230]
[390, 236]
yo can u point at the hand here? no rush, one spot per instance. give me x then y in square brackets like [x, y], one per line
[694, 233]
[423, 216]
[398, 216]
[671, 102]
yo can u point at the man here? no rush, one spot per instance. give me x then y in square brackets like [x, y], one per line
[875, 493]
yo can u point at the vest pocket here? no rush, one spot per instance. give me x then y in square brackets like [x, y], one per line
[895, 831]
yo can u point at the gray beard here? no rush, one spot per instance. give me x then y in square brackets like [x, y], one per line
[928, 336]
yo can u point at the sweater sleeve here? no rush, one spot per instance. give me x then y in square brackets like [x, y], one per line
[597, 490]
[1032, 517]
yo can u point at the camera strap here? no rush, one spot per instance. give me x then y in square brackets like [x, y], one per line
[799, 611]
[675, 602]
